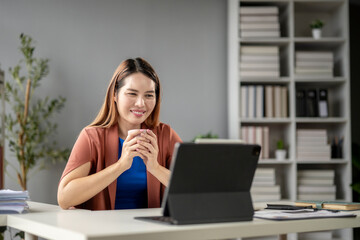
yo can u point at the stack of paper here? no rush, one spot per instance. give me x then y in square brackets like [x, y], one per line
[13, 201]
[312, 145]
[264, 187]
[259, 61]
[316, 184]
[314, 63]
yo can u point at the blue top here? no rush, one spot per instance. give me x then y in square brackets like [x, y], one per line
[131, 190]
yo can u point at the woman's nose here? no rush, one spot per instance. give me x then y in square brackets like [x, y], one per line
[139, 101]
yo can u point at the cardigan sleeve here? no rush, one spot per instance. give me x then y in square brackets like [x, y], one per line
[80, 154]
[173, 139]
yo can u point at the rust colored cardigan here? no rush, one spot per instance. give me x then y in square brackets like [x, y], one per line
[100, 146]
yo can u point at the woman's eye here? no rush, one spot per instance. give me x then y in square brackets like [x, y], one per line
[149, 95]
[132, 94]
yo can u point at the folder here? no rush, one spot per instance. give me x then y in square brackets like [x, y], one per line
[323, 103]
[332, 205]
[311, 103]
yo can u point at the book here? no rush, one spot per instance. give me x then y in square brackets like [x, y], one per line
[268, 172]
[314, 64]
[314, 56]
[259, 10]
[269, 104]
[316, 196]
[258, 18]
[244, 134]
[313, 149]
[259, 58]
[284, 101]
[332, 205]
[265, 189]
[261, 197]
[316, 189]
[260, 33]
[315, 181]
[251, 135]
[266, 148]
[277, 101]
[260, 26]
[311, 132]
[259, 113]
[316, 173]
[244, 102]
[259, 137]
[258, 74]
[251, 101]
[260, 50]
[259, 66]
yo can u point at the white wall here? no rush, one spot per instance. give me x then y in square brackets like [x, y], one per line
[85, 40]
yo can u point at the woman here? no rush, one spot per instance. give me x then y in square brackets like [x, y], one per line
[111, 167]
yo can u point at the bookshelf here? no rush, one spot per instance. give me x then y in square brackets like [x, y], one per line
[2, 124]
[294, 36]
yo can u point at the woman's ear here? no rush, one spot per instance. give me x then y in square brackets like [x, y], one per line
[115, 95]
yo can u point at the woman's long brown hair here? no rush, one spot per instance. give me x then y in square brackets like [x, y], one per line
[108, 114]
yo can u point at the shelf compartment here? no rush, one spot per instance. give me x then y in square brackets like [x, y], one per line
[334, 131]
[336, 105]
[284, 13]
[283, 177]
[277, 131]
[337, 48]
[341, 182]
[332, 13]
[284, 66]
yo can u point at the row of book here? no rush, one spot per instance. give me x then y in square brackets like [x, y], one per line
[312, 145]
[13, 201]
[264, 186]
[312, 102]
[259, 21]
[314, 63]
[259, 101]
[316, 184]
[257, 135]
[259, 62]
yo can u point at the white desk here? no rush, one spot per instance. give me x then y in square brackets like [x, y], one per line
[53, 223]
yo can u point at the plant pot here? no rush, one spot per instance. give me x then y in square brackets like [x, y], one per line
[280, 154]
[316, 33]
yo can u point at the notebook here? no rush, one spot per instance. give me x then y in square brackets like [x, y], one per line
[332, 205]
[209, 183]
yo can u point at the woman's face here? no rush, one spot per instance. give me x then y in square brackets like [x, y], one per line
[136, 100]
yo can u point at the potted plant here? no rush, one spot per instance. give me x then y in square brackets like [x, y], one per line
[207, 135]
[316, 27]
[280, 152]
[28, 121]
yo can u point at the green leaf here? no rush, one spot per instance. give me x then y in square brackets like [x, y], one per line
[38, 130]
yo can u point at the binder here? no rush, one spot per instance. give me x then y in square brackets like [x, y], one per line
[311, 103]
[300, 103]
[323, 103]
